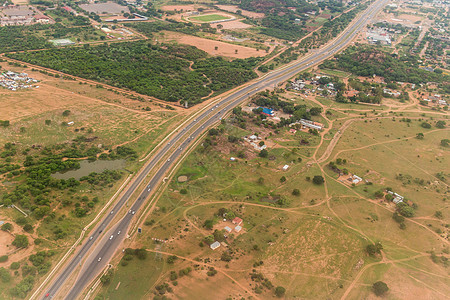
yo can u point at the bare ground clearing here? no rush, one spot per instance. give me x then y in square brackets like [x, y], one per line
[223, 49]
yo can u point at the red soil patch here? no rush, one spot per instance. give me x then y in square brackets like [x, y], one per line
[236, 24]
[223, 49]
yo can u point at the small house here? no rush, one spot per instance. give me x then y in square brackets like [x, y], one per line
[227, 229]
[237, 221]
[267, 111]
[214, 245]
[285, 167]
[238, 228]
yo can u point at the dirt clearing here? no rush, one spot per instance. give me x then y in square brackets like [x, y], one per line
[223, 49]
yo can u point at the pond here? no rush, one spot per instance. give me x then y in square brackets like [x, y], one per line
[87, 168]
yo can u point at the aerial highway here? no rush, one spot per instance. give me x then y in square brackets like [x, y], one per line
[99, 247]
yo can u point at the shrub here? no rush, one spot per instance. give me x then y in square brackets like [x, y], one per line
[21, 241]
[296, 192]
[380, 288]
[318, 179]
[426, 125]
[7, 227]
[280, 291]
[3, 258]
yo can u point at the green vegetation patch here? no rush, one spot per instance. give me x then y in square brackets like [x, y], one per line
[209, 18]
[168, 72]
[367, 61]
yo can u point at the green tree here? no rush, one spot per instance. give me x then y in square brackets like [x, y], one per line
[440, 124]
[263, 153]
[296, 192]
[373, 249]
[21, 241]
[420, 136]
[7, 227]
[280, 291]
[66, 113]
[426, 125]
[445, 142]
[318, 179]
[380, 288]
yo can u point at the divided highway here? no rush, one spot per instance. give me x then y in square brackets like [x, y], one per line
[100, 253]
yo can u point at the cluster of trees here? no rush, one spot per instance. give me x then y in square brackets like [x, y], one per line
[19, 38]
[71, 18]
[130, 253]
[162, 71]
[368, 60]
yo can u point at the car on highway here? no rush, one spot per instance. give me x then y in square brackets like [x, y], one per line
[99, 259]
[112, 212]
[129, 211]
[91, 238]
[48, 294]
[133, 212]
[111, 237]
[118, 232]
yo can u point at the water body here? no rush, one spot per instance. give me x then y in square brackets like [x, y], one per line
[87, 168]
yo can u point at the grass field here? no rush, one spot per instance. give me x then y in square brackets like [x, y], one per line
[209, 18]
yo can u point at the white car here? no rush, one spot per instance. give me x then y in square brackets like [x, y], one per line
[118, 232]
[99, 259]
[112, 212]
[133, 212]
[111, 237]
[91, 238]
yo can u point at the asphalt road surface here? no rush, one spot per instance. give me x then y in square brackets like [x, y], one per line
[108, 242]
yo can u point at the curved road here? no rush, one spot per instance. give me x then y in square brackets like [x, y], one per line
[108, 243]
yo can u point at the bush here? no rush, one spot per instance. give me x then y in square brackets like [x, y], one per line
[21, 241]
[171, 259]
[15, 266]
[318, 179]
[280, 291]
[7, 227]
[425, 125]
[440, 124]
[5, 276]
[183, 191]
[263, 153]
[380, 288]
[296, 192]
[28, 228]
[3, 258]
[373, 249]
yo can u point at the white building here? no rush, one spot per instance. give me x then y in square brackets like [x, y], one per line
[214, 245]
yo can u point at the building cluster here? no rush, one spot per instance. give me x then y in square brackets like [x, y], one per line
[14, 81]
[237, 228]
[307, 124]
[378, 36]
[397, 198]
[253, 139]
[391, 93]
[21, 15]
[436, 98]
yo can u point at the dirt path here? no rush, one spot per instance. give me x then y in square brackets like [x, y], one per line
[352, 285]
